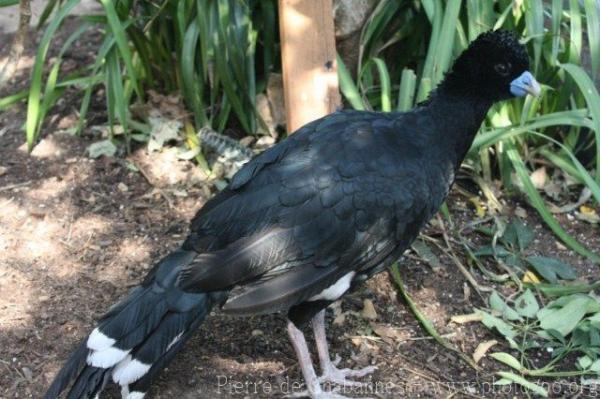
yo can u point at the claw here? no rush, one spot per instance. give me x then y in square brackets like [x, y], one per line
[340, 376]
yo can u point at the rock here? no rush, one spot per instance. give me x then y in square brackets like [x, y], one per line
[350, 16]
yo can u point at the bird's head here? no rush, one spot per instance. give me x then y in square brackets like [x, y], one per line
[495, 66]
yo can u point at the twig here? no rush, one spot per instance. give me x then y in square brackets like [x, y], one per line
[16, 185]
[18, 44]
[479, 288]
[149, 180]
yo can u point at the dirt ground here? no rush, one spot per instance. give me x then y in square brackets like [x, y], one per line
[77, 233]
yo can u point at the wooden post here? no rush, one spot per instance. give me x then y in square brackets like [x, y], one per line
[308, 60]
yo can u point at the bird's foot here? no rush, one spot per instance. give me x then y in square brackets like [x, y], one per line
[317, 393]
[340, 376]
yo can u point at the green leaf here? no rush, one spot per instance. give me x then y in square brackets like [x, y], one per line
[493, 322]
[507, 359]
[425, 253]
[518, 235]
[490, 250]
[523, 382]
[565, 319]
[498, 304]
[595, 366]
[551, 269]
[584, 362]
[526, 304]
[8, 3]
[100, 148]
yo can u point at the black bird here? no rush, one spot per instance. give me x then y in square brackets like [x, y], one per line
[302, 224]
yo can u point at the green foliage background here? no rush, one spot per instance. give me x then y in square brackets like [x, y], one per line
[218, 55]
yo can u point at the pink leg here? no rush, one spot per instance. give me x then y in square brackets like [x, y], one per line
[330, 372]
[314, 390]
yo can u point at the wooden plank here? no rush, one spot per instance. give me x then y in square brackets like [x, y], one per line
[308, 59]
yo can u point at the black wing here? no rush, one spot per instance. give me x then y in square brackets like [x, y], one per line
[337, 196]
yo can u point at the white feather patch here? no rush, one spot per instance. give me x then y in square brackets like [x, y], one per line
[136, 395]
[174, 341]
[129, 370]
[99, 341]
[107, 357]
[333, 292]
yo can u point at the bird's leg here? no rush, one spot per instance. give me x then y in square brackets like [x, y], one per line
[330, 372]
[314, 390]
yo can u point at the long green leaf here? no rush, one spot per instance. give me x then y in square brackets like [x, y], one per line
[534, 18]
[576, 32]
[33, 121]
[118, 30]
[407, 90]
[347, 86]
[445, 43]
[588, 89]
[386, 85]
[8, 3]
[540, 206]
[592, 15]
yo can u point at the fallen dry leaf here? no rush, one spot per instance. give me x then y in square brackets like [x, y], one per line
[388, 333]
[520, 212]
[539, 177]
[466, 318]
[482, 349]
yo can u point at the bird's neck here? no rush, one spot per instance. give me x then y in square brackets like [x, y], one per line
[457, 118]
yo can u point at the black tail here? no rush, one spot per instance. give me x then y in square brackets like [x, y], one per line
[138, 336]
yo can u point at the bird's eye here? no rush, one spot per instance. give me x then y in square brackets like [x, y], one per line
[502, 69]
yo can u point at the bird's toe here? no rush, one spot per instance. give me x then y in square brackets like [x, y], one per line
[341, 376]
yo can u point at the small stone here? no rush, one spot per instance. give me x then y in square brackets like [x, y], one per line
[27, 373]
[3, 170]
[122, 187]
[257, 332]
[368, 311]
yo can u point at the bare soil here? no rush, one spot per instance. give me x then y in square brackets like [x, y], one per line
[77, 233]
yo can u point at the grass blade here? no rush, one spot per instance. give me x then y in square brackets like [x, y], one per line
[406, 94]
[118, 30]
[386, 85]
[592, 14]
[534, 18]
[347, 86]
[33, 121]
[445, 43]
[425, 322]
[576, 35]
